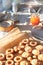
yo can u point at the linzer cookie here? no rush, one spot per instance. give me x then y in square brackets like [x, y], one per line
[23, 54]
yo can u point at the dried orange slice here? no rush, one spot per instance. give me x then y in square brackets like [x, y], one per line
[35, 20]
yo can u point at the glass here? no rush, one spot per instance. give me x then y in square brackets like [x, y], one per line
[33, 6]
[6, 4]
[1, 7]
[40, 1]
[30, 5]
